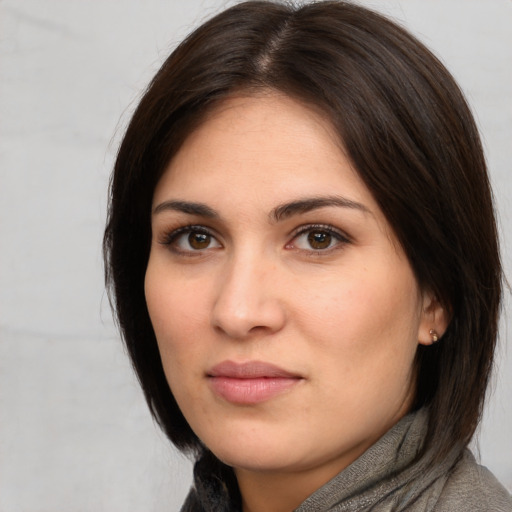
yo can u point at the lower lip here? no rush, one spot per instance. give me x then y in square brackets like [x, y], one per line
[251, 391]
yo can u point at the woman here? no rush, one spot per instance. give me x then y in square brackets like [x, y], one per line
[304, 262]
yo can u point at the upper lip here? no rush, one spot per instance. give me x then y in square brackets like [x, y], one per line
[249, 370]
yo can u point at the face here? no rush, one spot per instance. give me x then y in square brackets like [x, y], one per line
[286, 313]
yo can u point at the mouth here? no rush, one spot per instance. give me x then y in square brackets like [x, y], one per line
[250, 383]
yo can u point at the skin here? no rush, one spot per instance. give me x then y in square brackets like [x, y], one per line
[345, 315]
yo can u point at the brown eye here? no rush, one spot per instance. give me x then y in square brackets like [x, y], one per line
[199, 241]
[191, 240]
[319, 239]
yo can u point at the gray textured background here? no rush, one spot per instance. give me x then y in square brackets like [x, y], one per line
[75, 434]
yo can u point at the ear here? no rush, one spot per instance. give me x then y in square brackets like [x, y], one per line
[434, 320]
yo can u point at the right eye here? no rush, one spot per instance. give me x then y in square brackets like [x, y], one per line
[191, 239]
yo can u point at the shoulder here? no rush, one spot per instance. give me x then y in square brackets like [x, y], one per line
[473, 487]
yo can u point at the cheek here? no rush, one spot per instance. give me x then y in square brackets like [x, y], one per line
[174, 311]
[174, 304]
[174, 321]
[358, 306]
[367, 322]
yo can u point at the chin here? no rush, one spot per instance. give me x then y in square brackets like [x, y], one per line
[254, 456]
[259, 463]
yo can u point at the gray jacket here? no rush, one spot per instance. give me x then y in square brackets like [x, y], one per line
[384, 479]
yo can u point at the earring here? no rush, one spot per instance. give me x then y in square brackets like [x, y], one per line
[434, 335]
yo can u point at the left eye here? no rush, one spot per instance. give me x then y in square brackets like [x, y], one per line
[318, 239]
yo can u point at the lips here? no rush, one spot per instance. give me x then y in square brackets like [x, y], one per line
[250, 383]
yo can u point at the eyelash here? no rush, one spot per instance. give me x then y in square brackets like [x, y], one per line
[170, 238]
[339, 236]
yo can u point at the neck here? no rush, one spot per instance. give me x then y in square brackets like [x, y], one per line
[263, 491]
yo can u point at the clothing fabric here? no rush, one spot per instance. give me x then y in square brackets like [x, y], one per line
[386, 478]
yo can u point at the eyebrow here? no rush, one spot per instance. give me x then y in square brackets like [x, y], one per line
[279, 213]
[308, 204]
[191, 208]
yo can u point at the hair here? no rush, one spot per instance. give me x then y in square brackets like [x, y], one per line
[409, 133]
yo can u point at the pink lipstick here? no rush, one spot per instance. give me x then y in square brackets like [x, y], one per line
[250, 383]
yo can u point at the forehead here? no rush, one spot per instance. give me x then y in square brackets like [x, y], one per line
[264, 139]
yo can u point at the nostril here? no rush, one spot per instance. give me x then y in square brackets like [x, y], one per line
[259, 317]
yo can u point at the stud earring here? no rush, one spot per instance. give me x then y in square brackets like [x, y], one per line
[434, 335]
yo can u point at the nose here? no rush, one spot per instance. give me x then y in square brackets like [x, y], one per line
[247, 302]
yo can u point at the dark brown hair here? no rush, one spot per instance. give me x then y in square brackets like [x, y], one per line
[410, 135]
